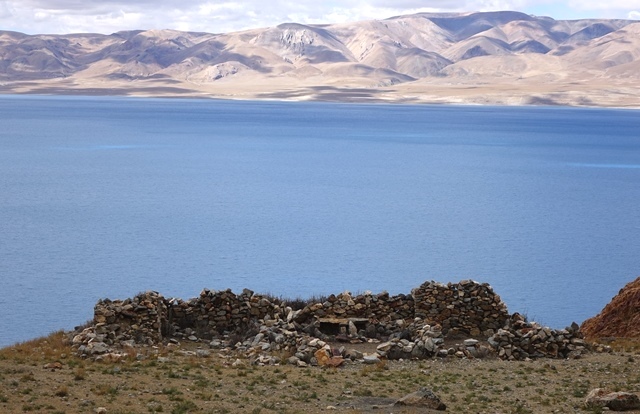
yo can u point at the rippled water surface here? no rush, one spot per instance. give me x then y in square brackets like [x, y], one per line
[107, 197]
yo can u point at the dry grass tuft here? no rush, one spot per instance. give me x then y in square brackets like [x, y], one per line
[378, 367]
[54, 347]
[62, 391]
[625, 345]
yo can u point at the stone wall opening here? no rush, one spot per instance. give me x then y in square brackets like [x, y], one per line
[341, 326]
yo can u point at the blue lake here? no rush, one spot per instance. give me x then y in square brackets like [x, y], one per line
[108, 197]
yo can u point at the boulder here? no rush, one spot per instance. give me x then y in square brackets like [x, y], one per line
[424, 398]
[371, 359]
[322, 356]
[293, 360]
[354, 354]
[616, 401]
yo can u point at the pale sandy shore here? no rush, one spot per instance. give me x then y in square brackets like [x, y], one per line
[613, 93]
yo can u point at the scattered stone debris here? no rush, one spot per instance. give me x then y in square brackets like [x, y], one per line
[424, 398]
[520, 340]
[420, 341]
[616, 401]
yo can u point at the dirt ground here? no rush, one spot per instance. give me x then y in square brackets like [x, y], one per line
[44, 376]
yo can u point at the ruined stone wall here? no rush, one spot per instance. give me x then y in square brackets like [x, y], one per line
[521, 339]
[413, 326]
[140, 319]
[377, 307]
[465, 308]
[215, 312]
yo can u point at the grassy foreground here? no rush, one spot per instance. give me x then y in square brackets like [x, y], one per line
[45, 376]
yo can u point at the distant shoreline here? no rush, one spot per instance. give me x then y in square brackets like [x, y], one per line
[335, 98]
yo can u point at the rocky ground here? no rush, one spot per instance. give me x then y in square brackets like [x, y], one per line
[46, 375]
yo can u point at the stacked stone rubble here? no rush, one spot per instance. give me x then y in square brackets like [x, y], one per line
[140, 319]
[465, 309]
[417, 341]
[380, 307]
[413, 326]
[216, 312]
[273, 336]
[521, 340]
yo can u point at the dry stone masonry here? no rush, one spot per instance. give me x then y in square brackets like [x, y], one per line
[412, 326]
[521, 339]
[466, 308]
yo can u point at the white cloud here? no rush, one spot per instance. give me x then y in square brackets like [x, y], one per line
[605, 5]
[609, 8]
[634, 15]
[107, 16]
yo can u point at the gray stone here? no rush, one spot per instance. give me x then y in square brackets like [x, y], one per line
[470, 342]
[293, 360]
[384, 347]
[424, 397]
[97, 348]
[353, 331]
[371, 359]
[354, 354]
[257, 339]
[443, 353]
[128, 344]
[430, 345]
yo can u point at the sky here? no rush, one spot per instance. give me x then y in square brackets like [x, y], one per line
[109, 16]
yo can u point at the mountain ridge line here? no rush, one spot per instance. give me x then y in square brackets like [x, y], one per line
[504, 58]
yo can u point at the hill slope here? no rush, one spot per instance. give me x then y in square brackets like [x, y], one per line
[496, 57]
[620, 318]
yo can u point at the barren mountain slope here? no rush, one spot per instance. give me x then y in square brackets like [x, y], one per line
[499, 57]
[613, 49]
[620, 318]
[511, 66]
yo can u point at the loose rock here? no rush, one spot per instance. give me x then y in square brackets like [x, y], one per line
[616, 401]
[424, 397]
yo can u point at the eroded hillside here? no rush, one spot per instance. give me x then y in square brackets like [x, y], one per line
[496, 57]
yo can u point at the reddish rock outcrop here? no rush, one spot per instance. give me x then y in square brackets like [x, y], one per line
[620, 318]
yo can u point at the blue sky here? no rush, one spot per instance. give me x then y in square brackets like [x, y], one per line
[108, 16]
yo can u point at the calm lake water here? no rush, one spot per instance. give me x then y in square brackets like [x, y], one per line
[108, 197]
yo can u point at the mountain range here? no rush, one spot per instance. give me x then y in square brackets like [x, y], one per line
[478, 58]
